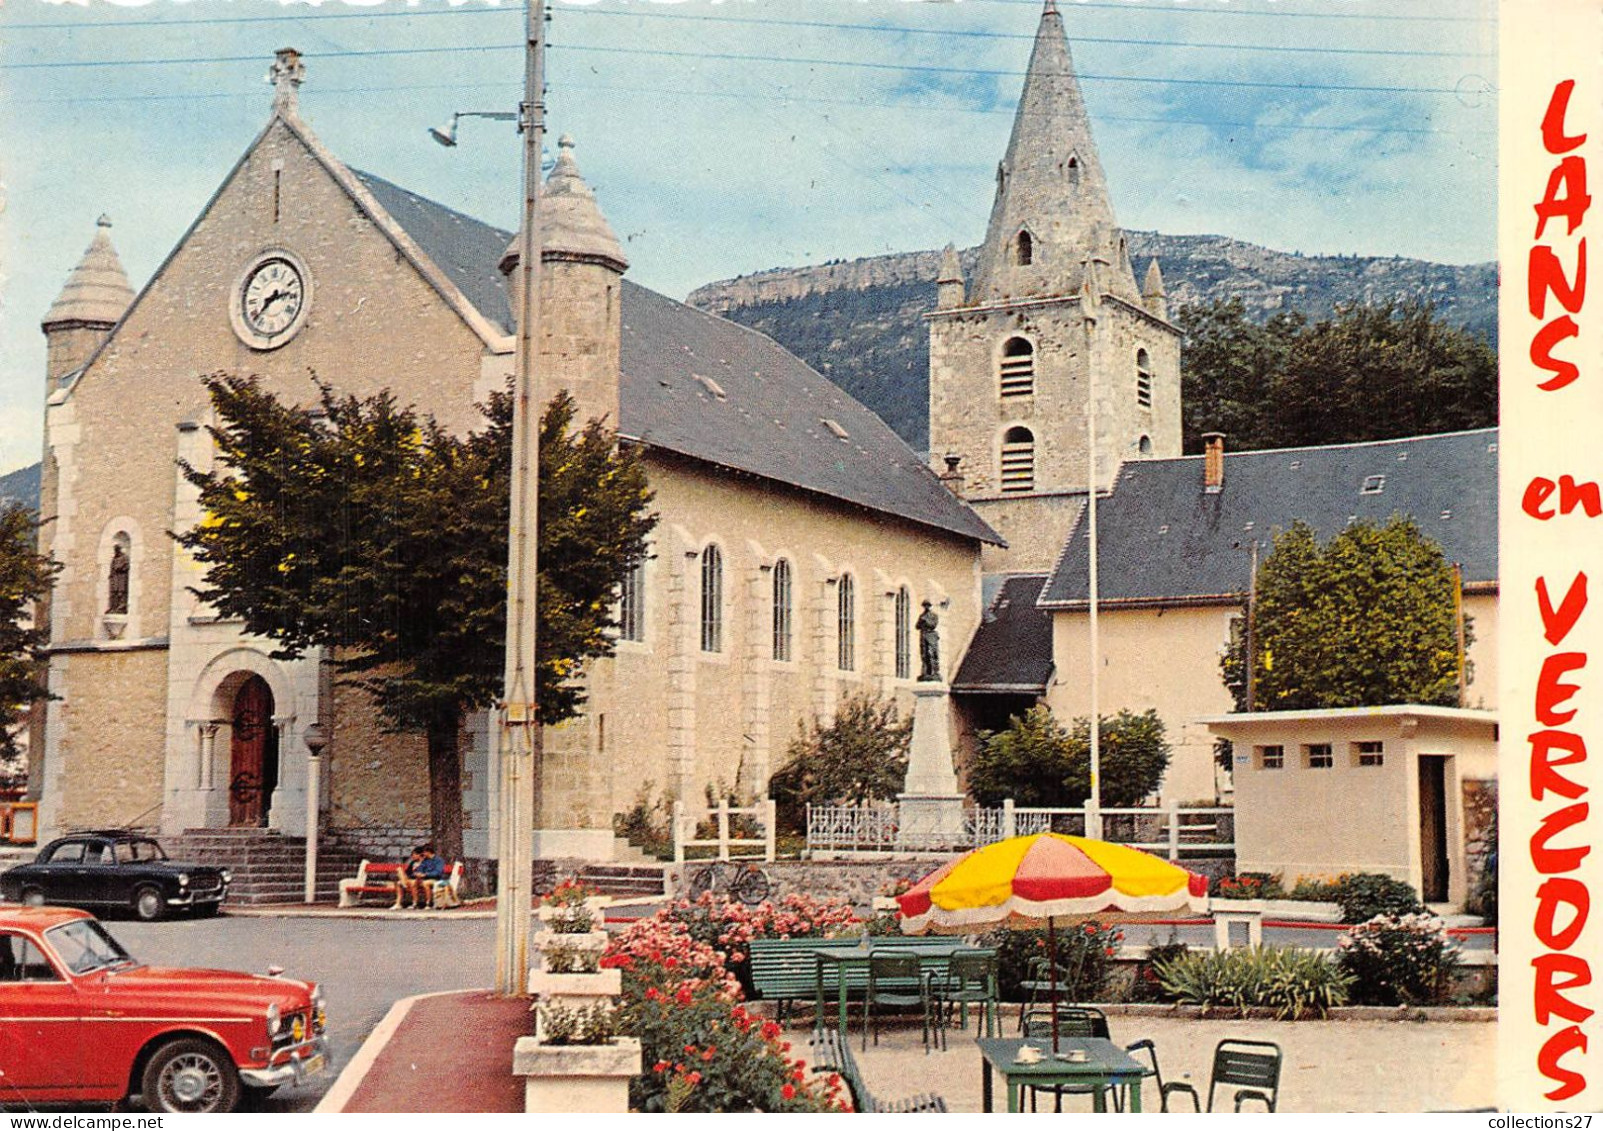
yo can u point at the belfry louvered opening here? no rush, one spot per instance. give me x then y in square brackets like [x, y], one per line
[1018, 368]
[1018, 460]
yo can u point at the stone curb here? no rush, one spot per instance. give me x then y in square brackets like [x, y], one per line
[1455, 1013]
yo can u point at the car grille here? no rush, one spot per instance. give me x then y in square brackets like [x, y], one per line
[292, 1032]
[203, 885]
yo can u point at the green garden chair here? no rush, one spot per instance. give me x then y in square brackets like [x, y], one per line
[971, 978]
[1250, 1068]
[895, 979]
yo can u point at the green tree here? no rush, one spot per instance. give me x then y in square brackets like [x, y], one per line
[1369, 372]
[1037, 761]
[25, 578]
[364, 527]
[861, 755]
[1366, 620]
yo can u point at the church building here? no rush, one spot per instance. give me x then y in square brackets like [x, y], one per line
[798, 535]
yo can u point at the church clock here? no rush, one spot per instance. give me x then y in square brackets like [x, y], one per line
[271, 300]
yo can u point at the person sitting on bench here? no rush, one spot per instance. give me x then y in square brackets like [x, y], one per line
[419, 876]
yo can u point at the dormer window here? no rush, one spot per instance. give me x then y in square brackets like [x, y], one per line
[1018, 368]
[1374, 485]
[1026, 249]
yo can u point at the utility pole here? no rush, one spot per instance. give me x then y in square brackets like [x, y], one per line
[1089, 302]
[1252, 643]
[518, 737]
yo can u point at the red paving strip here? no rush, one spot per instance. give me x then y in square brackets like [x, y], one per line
[450, 1053]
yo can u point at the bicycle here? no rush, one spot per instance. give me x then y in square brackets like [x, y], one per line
[745, 882]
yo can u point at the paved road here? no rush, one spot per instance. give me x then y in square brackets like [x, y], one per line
[364, 965]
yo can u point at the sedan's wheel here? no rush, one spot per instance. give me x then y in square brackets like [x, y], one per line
[33, 897]
[190, 1077]
[148, 904]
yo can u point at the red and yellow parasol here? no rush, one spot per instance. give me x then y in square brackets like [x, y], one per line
[1029, 881]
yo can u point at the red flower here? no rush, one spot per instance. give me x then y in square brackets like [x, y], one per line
[694, 1078]
[770, 1030]
[788, 1091]
[660, 1066]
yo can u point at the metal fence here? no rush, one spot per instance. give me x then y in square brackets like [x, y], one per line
[1172, 831]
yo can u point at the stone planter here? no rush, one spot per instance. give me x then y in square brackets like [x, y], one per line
[590, 943]
[594, 906]
[576, 1078]
[573, 991]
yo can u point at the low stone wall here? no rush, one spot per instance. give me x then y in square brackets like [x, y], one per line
[381, 842]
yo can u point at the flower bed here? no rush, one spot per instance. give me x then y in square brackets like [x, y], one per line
[729, 927]
[703, 1050]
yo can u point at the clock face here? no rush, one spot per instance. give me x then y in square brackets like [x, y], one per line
[271, 300]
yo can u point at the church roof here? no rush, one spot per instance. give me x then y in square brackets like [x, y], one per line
[711, 390]
[1011, 652]
[1050, 186]
[1163, 538]
[97, 291]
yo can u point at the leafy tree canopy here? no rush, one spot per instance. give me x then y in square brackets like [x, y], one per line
[860, 756]
[25, 578]
[1366, 620]
[1037, 761]
[1372, 372]
[364, 527]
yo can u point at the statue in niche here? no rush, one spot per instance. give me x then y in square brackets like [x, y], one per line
[117, 604]
[929, 645]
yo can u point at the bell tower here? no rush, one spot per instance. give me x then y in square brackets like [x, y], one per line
[1052, 323]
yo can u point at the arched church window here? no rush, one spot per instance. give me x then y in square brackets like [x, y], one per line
[846, 624]
[782, 608]
[904, 633]
[1026, 249]
[712, 599]
[632, 605]
[1018, 460]
[1143, 379]
[1074, 171]
[117, 577]
[1018, 368]
[1144, 445]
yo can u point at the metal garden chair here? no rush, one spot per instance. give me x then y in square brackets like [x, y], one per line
[971, 978]
[1251, 1068]
[896, 979]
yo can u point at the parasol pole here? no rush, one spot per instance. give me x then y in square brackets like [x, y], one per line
[1052, 976]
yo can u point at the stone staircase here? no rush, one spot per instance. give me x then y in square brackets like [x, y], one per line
[267, 866]
[623, 879]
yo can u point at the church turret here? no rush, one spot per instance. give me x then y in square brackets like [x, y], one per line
[1152, 292]
[1052, 211]
[581, 269]
[949, 285]
[95, 297]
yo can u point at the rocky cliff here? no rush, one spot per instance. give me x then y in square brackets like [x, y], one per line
[859, 321]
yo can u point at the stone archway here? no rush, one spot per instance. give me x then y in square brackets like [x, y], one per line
[253, 754]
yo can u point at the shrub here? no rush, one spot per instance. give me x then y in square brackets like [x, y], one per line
[1484, 900]
[704, 1052]
[860, 756]
[729, 927]
[1247, 885]
[1145, 985]
[1036, 760]
[646, 824]
[1294, 983]
[1368, 894]
[1399, 960]
[1315, 890]
[1084, 953]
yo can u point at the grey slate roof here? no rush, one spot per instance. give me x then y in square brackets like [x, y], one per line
[1012, 648]
[1163, 539]
[771, 419]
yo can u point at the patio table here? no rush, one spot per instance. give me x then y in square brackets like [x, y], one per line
[851, 967]
[1106, 1065]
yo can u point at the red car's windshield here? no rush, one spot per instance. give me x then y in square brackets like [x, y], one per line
[85, 947]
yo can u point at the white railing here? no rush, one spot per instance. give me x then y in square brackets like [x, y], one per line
[1171, 830]
[685, 821]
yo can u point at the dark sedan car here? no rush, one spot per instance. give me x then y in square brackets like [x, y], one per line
[115, 869]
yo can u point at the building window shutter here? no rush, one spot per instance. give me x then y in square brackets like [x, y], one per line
[1018, 461]
[1018, 368]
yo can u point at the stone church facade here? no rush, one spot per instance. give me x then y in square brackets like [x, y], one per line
[797, 535]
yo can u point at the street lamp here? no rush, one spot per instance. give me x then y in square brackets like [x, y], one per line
[316, 738]
[447, 136]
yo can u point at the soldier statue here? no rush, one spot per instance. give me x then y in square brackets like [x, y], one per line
[929, 646]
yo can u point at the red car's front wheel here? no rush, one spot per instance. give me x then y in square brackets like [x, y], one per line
[191, 1077]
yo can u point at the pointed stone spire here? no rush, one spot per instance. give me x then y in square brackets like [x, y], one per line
[97, 291]
[949, 284]
[286, 75]
[1153, 294]
[571, 223]
[96, 295]
[1052, 210]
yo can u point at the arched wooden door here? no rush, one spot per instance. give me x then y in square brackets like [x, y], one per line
[253, 755]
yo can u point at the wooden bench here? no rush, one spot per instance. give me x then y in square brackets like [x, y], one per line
[831, 1054]
[372, 878]
[786, 970]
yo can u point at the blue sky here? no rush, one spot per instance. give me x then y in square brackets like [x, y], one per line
[727, 136]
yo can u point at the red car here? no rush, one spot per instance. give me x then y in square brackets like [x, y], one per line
[82, 1022]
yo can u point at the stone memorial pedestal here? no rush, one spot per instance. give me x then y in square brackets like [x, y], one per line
[931, 807]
